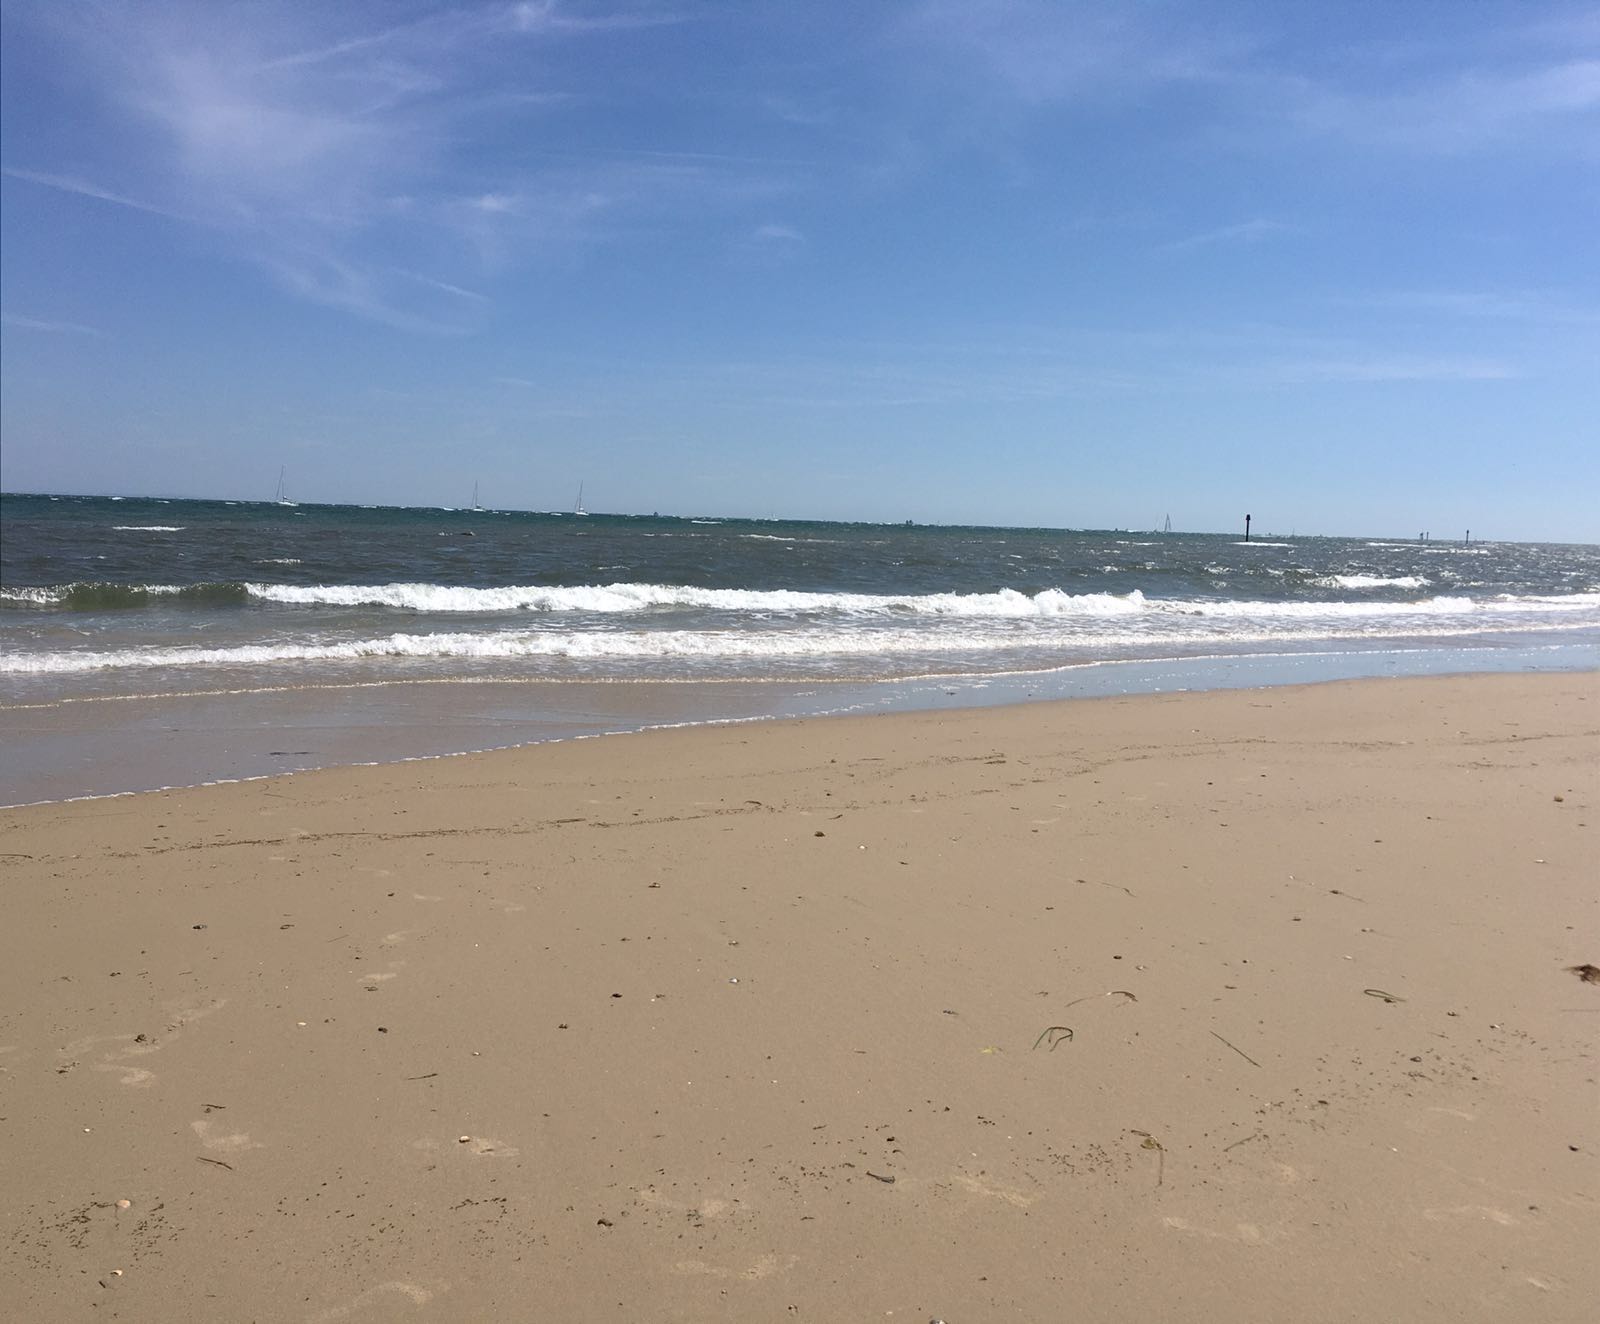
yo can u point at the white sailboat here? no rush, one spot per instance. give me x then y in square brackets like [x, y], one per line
[476, 508]
[281, 498]
[577, 508]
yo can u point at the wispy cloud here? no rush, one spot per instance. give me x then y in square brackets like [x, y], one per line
[84, 189]
[1520, 306]
[546, 16]
[334, 158]
[1040, 51]
[1550, 106]
[770, 244]
[1394, 368]
[777, 234]
[1245, 232]
[1537, 86]
[40, 324]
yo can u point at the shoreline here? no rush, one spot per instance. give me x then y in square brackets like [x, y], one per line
[69, 751]
[744, 1022]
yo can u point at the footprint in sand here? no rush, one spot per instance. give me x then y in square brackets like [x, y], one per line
[1481, 1211]
[179, 1017]
[765, 1267]
[384, 1296]
[136, 1077]
[1246, 1234]
[1009, 1194]
[209, 1135]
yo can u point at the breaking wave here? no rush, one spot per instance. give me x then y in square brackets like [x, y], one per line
[1371, 581]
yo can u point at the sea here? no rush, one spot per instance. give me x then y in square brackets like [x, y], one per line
[133, 626]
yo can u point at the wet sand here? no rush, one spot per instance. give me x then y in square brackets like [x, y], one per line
[745, 1023]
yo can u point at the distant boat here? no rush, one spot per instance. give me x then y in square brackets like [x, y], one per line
[577, 508]
[1167, 527]
[281, 498]
[475, 506]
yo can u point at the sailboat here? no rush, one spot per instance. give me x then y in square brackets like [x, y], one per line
[1167, 527]
[577, 508]
[475, 506]
[280, 498]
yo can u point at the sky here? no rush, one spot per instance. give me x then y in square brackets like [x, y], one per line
[1021, 262]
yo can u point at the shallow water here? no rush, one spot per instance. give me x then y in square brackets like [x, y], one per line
[150, 643]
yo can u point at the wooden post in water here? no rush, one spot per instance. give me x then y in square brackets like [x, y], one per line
[1247, 528]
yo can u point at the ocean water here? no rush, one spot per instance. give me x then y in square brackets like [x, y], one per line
[106, 599]
[106, 596]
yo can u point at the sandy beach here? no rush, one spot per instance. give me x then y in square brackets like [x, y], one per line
[1231, 1006]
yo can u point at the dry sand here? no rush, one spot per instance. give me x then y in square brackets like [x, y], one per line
[739, 1023]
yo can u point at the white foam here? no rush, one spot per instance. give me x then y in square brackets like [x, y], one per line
[1129, 625]
[149, 528]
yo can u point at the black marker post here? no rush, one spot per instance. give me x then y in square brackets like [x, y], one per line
[1247, 528]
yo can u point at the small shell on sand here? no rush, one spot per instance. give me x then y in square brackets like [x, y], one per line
[462, 1140]
[124, 1204]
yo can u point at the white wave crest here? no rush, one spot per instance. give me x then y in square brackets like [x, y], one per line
[149, 528]
[613, 598]
[1372, 581]
[1005, 604]
[54, 594]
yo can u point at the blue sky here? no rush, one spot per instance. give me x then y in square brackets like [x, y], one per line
[999, 261]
